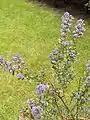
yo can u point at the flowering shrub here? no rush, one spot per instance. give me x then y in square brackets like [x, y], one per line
[53, 102]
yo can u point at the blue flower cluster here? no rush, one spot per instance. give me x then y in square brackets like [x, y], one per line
[56, 55]
[41, 88]
[79, 29]
[2, 61]
[66, 43]
[72, 53]
[36, 111]
[15, 66]
[66, 23]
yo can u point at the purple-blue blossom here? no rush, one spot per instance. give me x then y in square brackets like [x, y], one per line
[75, 35]
[52, 58]
[16, 57]
[8, 66]
[88, 66]
[72, 54]
[20, 76]
[66, 23]
[88, 78]
[2, 62]
[66, 43]
[36, 112]
[79, 28]
[55, 51]
[41, 88]
[65, 16]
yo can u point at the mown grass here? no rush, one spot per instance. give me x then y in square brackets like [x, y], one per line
[31, 31]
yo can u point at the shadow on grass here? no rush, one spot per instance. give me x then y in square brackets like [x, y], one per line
[75, 9]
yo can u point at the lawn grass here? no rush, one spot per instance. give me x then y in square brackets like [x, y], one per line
[31, 31]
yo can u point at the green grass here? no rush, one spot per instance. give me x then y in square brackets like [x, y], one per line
[33, 32]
